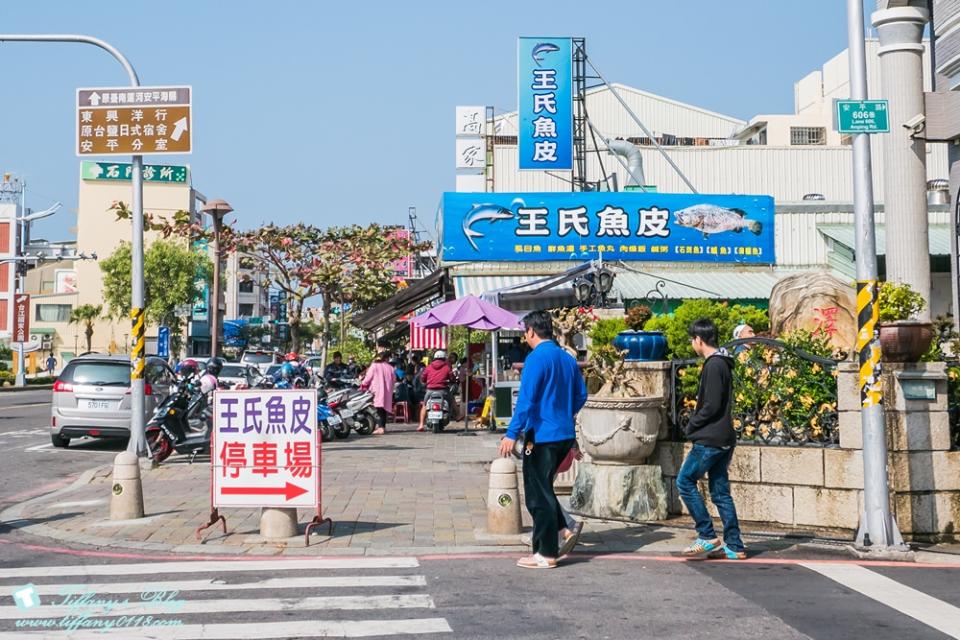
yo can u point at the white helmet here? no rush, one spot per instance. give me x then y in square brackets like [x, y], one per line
[440, 355]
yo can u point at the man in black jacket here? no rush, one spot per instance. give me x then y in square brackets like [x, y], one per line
[711, 430]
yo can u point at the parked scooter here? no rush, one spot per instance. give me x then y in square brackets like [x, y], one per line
[181, 423]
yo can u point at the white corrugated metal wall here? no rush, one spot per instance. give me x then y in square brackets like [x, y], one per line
[659, 115]
[786, 173]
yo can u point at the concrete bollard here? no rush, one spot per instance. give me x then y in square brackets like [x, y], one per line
[126, 499]
[278, 524]
[503, 499]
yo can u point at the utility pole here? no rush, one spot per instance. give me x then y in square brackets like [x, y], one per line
[138, 442]
[877, 528]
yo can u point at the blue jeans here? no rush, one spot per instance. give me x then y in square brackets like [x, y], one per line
[713, 463]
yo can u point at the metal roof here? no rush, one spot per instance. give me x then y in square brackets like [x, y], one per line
[844, 234]
[740, 283]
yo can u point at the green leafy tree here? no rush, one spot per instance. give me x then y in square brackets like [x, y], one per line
[86, 314]
[341, 264]
[170, 275]
[725, 316]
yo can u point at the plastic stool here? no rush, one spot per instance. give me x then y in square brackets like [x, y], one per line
[401, 412]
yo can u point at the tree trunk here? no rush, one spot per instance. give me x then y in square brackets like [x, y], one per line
[89, 333]
[325, 328]
[294, 310]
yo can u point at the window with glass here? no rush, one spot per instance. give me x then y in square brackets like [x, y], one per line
[53, 312]
[246, 286]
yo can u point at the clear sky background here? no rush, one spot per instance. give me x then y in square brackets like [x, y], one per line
[334, 113]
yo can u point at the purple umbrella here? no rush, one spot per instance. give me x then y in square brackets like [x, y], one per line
[470, 312]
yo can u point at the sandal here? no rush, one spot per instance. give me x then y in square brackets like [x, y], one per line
[537, 561]
[571, 541]
[421, 428]
[378, 432]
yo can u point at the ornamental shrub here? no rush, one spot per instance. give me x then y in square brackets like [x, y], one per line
[725, 316]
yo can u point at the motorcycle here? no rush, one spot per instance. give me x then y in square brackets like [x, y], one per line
[181, 423]
[437, 402]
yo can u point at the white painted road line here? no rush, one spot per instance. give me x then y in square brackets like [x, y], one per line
[213, 584]
[921, 607]
[40, 447]
[213, 566]
[260, 630]
[227, 605]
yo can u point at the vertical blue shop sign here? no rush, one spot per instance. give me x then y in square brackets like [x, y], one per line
[545, 103]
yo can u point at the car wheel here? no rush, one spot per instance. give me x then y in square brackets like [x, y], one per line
[59, 441]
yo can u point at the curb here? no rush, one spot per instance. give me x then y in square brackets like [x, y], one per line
[29, 387]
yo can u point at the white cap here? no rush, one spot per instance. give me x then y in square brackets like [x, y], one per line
[738, 330]
[440, 355]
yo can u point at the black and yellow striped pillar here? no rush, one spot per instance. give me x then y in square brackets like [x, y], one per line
[868, 349]
[137, 318]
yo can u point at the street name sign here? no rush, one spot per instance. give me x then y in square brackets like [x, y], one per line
[862, 116]
[163, 342]
[21, 317]
[134, 121]
[265, 449]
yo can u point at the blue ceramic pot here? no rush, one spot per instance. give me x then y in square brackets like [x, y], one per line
[641, 346]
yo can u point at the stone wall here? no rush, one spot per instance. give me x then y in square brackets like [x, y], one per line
[808, 487]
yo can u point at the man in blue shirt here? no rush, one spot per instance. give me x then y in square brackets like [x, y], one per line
[552, 392]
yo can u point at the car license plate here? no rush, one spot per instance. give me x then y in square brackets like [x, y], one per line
[334, 420]
[346, 414]
[435, 415]
[98, 405]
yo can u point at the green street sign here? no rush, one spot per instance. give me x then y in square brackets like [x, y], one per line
[111, 171]
[866, 116]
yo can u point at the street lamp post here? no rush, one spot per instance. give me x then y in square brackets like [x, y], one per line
[217, 209]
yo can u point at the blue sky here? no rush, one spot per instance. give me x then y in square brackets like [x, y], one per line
[342, 112]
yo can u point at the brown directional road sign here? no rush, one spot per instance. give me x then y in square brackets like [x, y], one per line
[134, 121]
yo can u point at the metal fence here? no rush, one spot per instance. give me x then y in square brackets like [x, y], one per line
[782, 394]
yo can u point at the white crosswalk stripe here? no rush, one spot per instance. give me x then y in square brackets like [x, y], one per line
[284, 598]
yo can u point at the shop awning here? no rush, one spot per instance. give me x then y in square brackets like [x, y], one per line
[520, 293]
[44, 331]
[845, 235]
[632, 282]
[417, 295]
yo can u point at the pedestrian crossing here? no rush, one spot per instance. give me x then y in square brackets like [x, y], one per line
[229, 599]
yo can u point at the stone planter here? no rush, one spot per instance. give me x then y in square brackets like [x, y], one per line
[905, 341]
[641, 346]
[620, 431]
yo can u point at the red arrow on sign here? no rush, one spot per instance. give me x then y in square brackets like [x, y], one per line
[290, 491]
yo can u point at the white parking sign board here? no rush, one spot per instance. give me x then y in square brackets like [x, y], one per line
[265, 449]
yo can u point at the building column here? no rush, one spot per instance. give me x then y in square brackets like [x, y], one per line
[904, 159]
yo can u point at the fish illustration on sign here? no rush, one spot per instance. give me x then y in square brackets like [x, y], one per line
[709, 219]
[480, 212]
[542, 48]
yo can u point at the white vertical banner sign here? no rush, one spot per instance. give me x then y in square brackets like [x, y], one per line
[471, 156]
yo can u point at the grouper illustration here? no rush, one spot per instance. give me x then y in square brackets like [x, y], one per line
[709, 219]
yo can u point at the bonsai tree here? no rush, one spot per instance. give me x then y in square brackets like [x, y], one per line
[637, 316]
[606, 373]
[570, 322]
[86, 314]
[897, 301]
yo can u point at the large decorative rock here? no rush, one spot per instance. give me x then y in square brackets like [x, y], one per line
[619, 431]
[818, 302]
[632, 492]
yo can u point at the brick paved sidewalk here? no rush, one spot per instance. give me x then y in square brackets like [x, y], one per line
[402, 493]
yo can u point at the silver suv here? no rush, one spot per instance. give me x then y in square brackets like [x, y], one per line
[91, 397]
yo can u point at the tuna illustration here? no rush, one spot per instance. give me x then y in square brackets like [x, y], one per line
[542, 48]
[709, 218]
[491, 212]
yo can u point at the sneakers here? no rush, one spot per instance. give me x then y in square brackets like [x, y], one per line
[726, 553]
[701, 547]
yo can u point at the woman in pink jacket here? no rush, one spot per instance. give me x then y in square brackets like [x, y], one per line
[379, 379]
